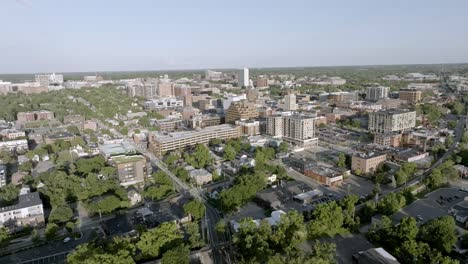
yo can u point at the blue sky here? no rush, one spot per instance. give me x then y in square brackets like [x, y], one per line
[102, 35]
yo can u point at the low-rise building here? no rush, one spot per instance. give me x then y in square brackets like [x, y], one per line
[63, 136]
[161, 143]
[201, 176]
[163, 103]
[116, 149]
[410, 96]
[249, 127]
[388, 139]
[18, 145]
[11, 134]
[131, 170]
[27, 212]
[34, 116]
[367, 162]
[312, 169]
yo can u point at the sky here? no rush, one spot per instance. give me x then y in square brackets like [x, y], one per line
[133, 35]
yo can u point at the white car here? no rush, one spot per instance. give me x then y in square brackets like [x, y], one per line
[67, 239]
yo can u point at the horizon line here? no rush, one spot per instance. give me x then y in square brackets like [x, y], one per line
[239, 68]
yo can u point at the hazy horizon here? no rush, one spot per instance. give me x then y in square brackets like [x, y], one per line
[118, 36]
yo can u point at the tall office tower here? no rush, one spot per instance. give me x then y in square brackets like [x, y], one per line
[290, 102]
[377, 92]
[244, 78]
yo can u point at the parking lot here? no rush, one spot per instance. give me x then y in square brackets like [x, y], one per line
[433, 205]
[54, 259]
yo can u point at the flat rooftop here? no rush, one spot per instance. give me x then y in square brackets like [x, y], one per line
[125, 159]
[115, 149]
[192, 133]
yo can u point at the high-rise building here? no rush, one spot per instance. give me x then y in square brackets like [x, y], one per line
[392, 120]
[166, 89]
[242, 110]
[244, 78]
[275, 126]
[262, 81]
[290, 102]
[377, 92]
[298, 130]
[411, 96]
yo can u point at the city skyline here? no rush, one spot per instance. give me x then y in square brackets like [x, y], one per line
[119, 36]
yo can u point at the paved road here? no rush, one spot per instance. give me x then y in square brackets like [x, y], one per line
[212, 214]
[53, 252]
[458, 135]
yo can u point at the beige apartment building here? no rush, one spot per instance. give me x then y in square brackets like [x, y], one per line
[130, 169]
[367, 162]
[392, 120]
[296, 129]
[161, 143]
[242, 110]
[410, 96]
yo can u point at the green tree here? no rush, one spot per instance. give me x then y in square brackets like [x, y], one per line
[160, 177]
[51, 231]
[327, 221]
[60, 214]
[341, 160]
[323, 253]
[73, 130]
[4, 237]
[119, 251]
[195, 208]
[252, 242]
[195, 238]
[26, 166]
[153, 241]
[221, 227]
[289, 233]
[201, 156]
[439, 233]
[391, 203]
[435, 179]
[9, 193]
[157, 192]
[229, 153]
[177, 255]
[348, 204]
[6, 157]
[283, 147]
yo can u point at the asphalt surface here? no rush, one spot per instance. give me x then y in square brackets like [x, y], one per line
[212, 214]
[53, 252]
